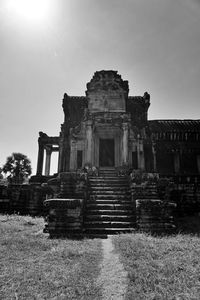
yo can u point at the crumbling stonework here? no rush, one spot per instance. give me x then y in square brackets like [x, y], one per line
[64, 217]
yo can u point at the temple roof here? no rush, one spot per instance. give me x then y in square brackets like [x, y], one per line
[174, 125]
[107, 80]
[84, 98]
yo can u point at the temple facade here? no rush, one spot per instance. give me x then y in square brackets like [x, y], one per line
[107, 128]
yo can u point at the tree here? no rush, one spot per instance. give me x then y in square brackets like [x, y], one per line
[18, 166]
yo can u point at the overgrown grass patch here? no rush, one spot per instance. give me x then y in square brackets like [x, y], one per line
[161, 267]
[36, 267]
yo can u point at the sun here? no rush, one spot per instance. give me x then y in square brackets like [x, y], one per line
[33, 11]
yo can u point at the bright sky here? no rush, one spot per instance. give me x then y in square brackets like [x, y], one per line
[49, 47]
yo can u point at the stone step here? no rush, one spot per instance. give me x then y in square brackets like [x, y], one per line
[121, 212]
[109, 184]
[108, 224]
[114, 178]
[111, 218]
[150, 189]
[109, 188]
[95, 235]
[108, 173]
[108, 201]
[104, 192]
[96, 232]
[144, 194]
[152, 197]
[110, 197]
[108, 206]
[109, 209]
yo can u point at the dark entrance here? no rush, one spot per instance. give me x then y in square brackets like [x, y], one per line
[106, 152]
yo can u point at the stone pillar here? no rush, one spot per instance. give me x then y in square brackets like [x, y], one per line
[88, 158]
[64, 149]
[60, 156]
[48, 161]
[198, 163]
[140, 151]
[73, 156]
[125, 143]
[40, 158]
[154, 157]
[176, 162]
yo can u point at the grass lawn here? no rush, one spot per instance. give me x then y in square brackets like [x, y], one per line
[161, 267]
[32, 266]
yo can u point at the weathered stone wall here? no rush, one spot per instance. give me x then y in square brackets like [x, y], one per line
[18, 195]
[154, 212]
[24, 199]
[155, 216]
[64, 217]
[29, 199]
[4, 200]
[149, 189]
[187, 198]
[73, 185]
[38, 194]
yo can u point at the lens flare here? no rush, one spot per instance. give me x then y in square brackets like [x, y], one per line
[33, 11]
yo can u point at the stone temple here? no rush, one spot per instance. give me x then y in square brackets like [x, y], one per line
[109, 129]
[117, 170]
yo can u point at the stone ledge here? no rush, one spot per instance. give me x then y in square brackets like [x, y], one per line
[66, 203]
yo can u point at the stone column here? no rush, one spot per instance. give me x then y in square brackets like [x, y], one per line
[140, 151]
[64, 150]
[60, 156]
[48, 161]
[154, 157]
[125, 143]
[40, 158]
[73, 156]
[89, 142]
[198, 163]
[176, 162]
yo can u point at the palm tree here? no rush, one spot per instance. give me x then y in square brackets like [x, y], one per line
[18, 166]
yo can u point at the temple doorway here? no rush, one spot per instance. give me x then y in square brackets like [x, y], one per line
[106, 153]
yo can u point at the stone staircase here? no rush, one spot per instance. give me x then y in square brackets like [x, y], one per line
[109, 209]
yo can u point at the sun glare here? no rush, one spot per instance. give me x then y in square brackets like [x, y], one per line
[33, 11]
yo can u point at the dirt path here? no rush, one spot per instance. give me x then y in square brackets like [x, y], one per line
[113, 277]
